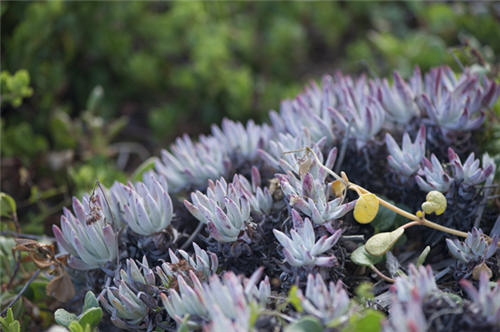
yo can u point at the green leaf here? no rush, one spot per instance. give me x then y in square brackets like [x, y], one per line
[144, 167]
[7, 201]
[361, 257]
[63, 131]
[37, 290]
[95, 98]
[184, 327]
[91, 317]
[74, 326]
[380, 243]
[90, 301]
[294, 299]
[254, 314]
[15, 326]
[9, 323]
[364, 291]
[369, 321]
[305, 324]
[384, 220]
[115, 127]
[64, 318]
[423, 256]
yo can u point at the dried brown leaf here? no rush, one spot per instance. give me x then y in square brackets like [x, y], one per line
[61, 287]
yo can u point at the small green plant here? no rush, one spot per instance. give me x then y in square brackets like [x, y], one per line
[8, 323]
[87, 321]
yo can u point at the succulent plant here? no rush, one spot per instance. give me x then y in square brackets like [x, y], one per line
[485, 299]
[308, 111]
[242, 141]
[406, 317]
[225, 209]
[220, 322]
[231, 295]
[410, 294]
[470, 174]
[126, 307]
[188, 300]
[192, 164]
[419, 280]
[436, 178]
[260, 199]
[133, 272]
[456, 103]
[327, 303]
[474, 248]
[147, 207]
[202, 263]
[240, 212]
[398, 100]
[406, 160]
[320, 97]
[312, 197]
[89, 238]
[464, 176]
[101, 201]
[279, 154]
[358, 111]
[302, 249]
[133, 297]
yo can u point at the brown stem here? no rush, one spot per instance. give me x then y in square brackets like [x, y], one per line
[17, 255]
[380, 274]
[410, 224]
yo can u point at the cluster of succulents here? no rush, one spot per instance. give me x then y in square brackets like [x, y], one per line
[313, 198]
[456, 103]
[175, 238]
[327, 303]
[474, 253]
[463, 176]
[485, 299]
[225, 301]
[302, 249]
[416, 298]
[204, 264]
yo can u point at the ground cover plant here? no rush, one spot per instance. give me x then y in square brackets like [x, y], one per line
[365, 204]
[105, 85]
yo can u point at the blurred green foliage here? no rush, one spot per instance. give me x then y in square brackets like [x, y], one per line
[80, 76]
[15, 87]
[178, 62]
